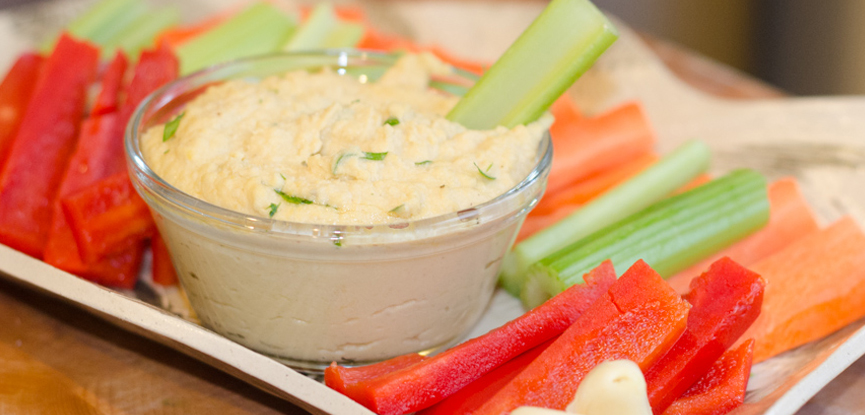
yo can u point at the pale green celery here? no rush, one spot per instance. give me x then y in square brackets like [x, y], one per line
[103, 21]
[561, 44]
[344, 35]
[655, 183]
[670, 235]
[261, 28]
[141, 33]
[314, 30]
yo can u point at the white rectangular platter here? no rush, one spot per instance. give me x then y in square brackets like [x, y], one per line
[821, 141]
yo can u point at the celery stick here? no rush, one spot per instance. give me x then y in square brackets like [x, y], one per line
[561, 44]
[312, 32]
[141, 33]
[344, 35]
[103, 21]
[669, 235]
[655, 183]
[261, 28]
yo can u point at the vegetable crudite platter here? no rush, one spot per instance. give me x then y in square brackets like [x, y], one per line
[808, 150]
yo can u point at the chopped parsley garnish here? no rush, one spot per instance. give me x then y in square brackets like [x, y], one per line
[273, 207]
[374, 156]
[283, 176]
[484, 173]
[391, 121]
[292, 199]
[337, 242]
[339, 160]
[171, 127]
[421, 163]
[397, 209]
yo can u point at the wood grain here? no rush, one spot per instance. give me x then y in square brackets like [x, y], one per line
[49, 349]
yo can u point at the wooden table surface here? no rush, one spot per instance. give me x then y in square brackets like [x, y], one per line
[55, 358]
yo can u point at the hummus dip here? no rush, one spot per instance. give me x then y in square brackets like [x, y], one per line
[331, 149]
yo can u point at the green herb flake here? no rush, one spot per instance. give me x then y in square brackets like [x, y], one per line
[484, 173]
[273, 207]
[339, 160]
[392, 121]
[374, 156]
[283, 176]
[397, 209]
[171, 127]
[337, 242]
[166, 151]
[422, 163]
[292, 199]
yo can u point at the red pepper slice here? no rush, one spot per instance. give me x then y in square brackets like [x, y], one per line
[339, 378]
[726, 299]
[155, 68]
[15, 92]
[122, 223]
[163, 269]
[107, 217]
[722, 388]
[473, 396]
[430, 381]
[639, 319]
[111, 84]
[93, 160]
[46, 139]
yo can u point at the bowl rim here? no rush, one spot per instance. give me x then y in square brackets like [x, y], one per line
[146, 180]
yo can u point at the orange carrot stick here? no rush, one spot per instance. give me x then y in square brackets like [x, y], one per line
[814, 286]
[789, 220]
[375, 40]
[590, 145]
[179, 35]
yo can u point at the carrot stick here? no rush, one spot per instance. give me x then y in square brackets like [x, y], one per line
[591, 145]
[790, 219]
[376, 40]
[566, 112]
[177, 36]
[814, 286]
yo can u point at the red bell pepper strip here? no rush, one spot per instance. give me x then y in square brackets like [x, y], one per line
[473, 396]
[41, 149]
[436, 378]
[726, 299]
[155, 68]
[163, 270]
[107, 217]
[110, 86]
[722, 388]
[339, 378]
[639, 319]
[15, 92]
[91, 162]
[125, 221]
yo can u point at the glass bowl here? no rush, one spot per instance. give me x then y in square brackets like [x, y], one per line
[310, 294]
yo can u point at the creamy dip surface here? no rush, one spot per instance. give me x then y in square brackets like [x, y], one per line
[330, 149]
